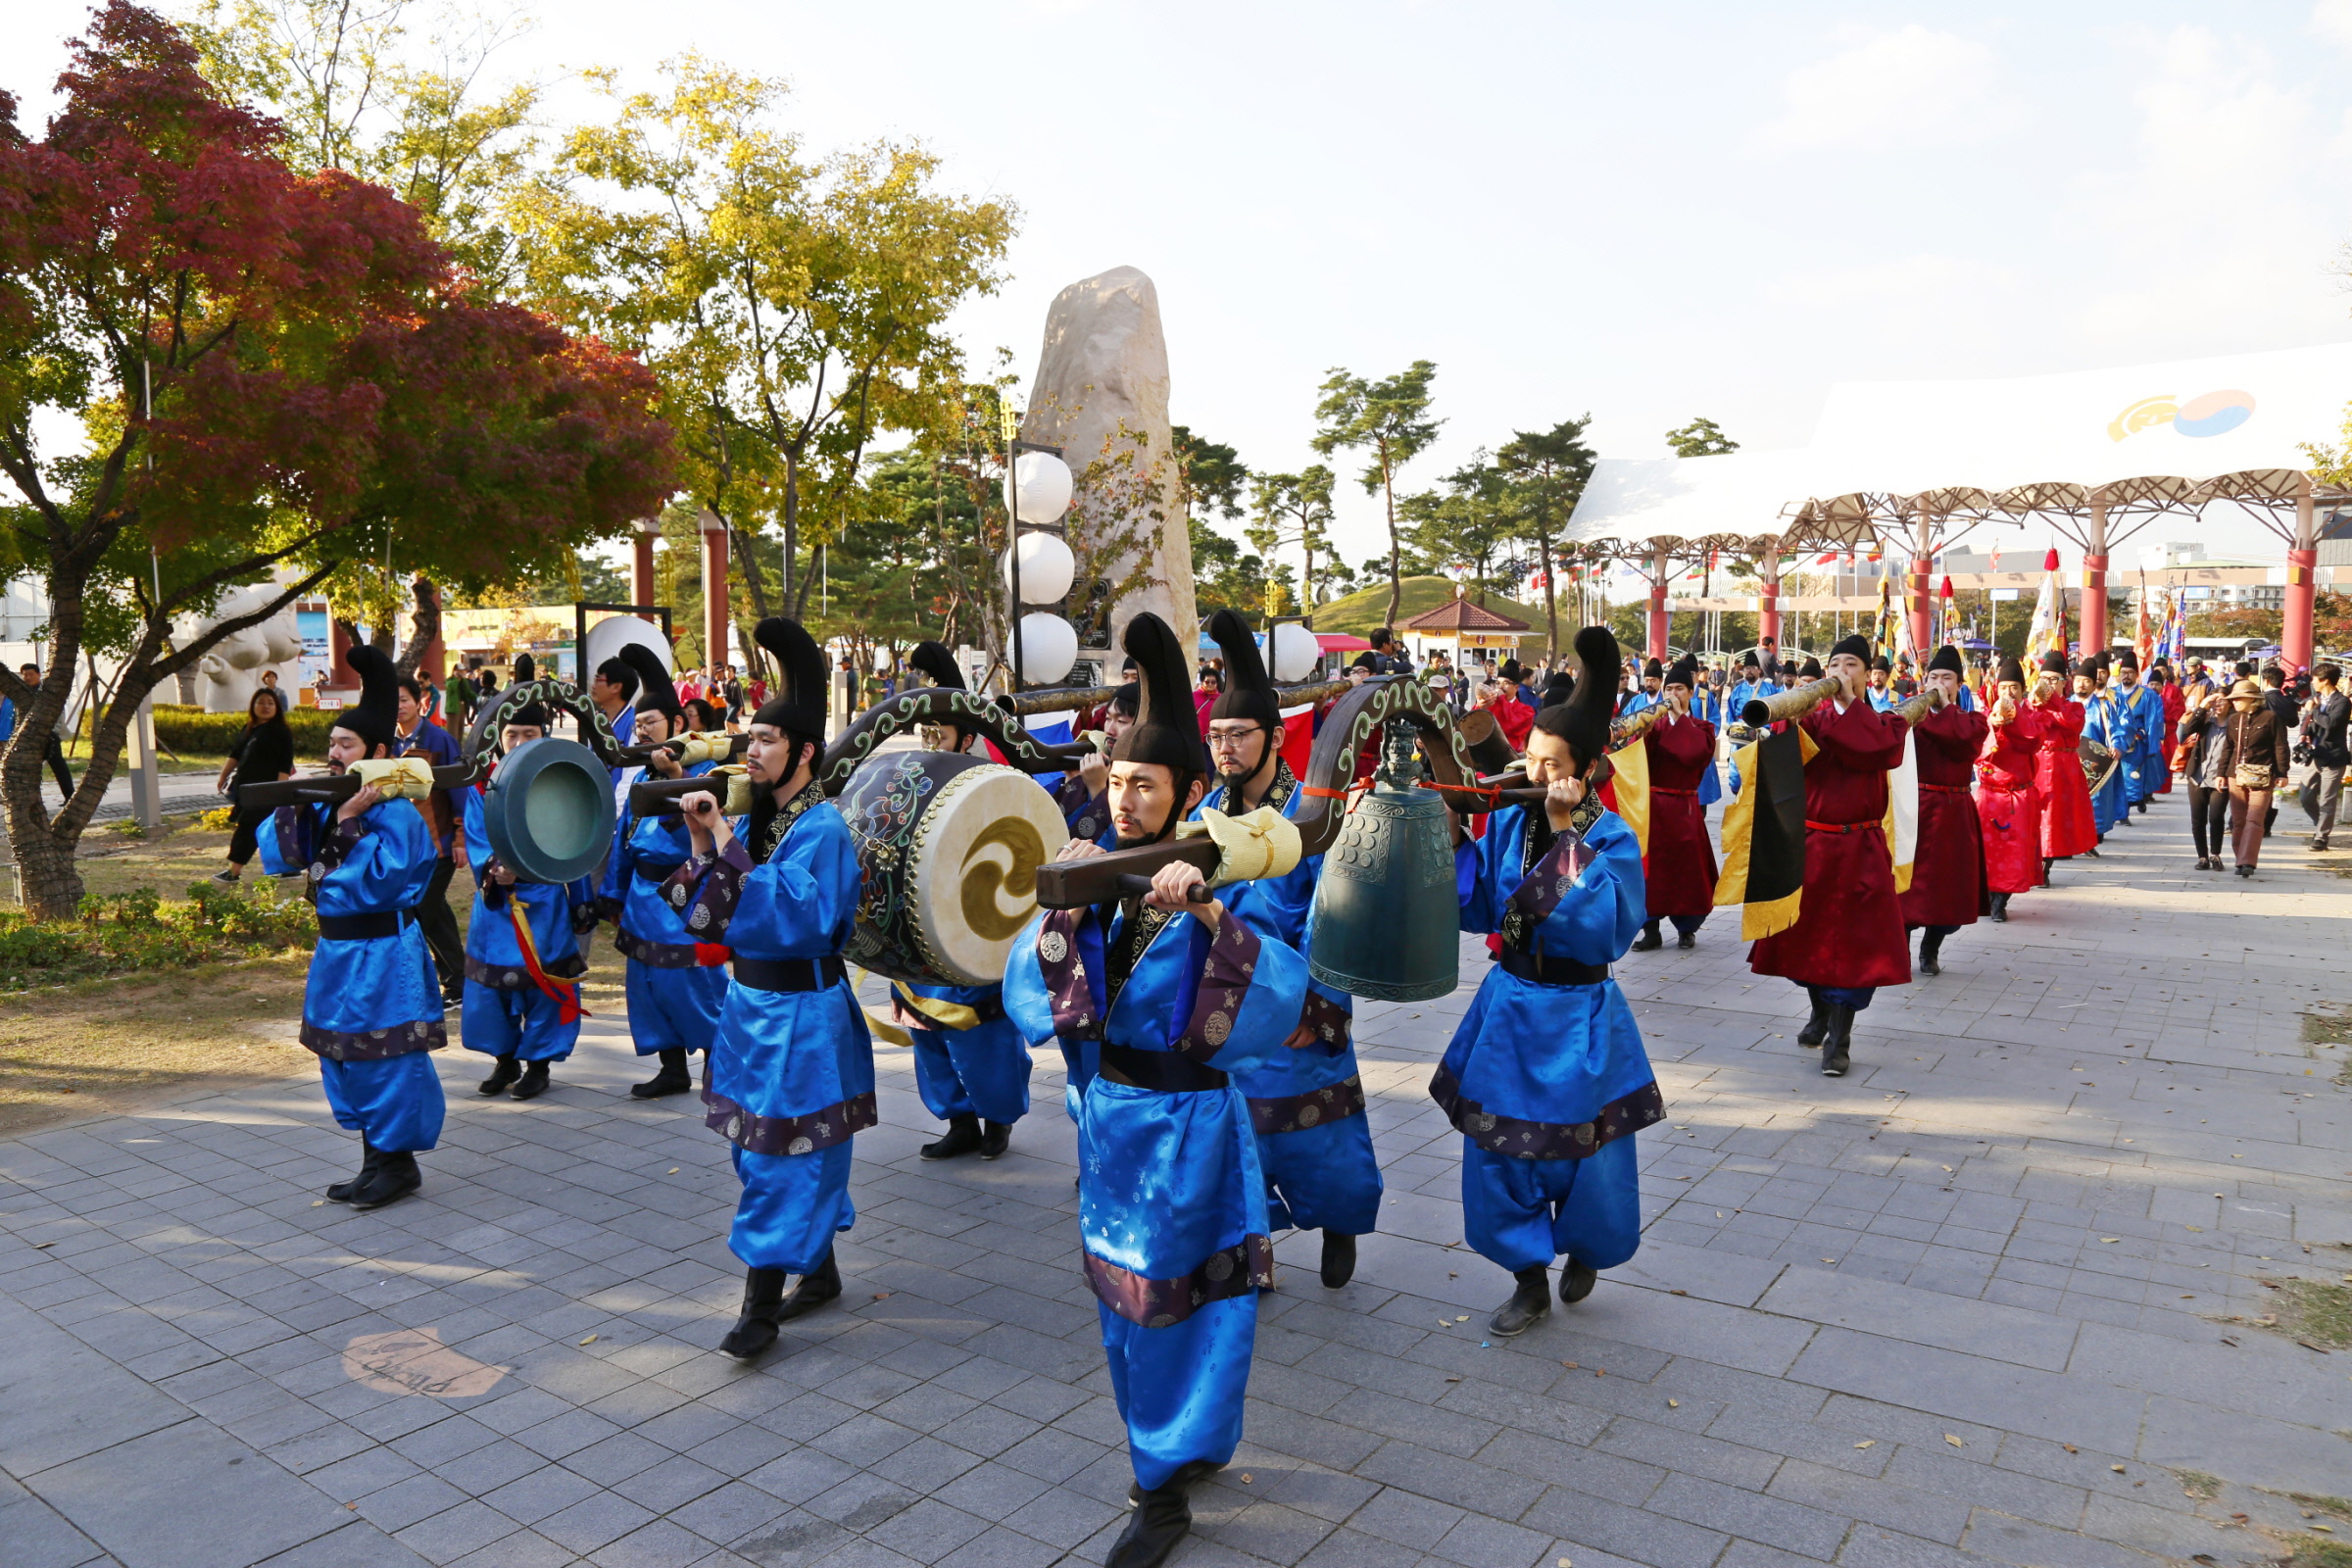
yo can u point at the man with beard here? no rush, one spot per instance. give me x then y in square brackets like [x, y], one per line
[1546, 1078]
[1680, 865]
[370, 1009]
[1947, 865]
[792, 1071]
[2138, 732]
[1848, 937]
[1307, 1104]
[1171, 1200]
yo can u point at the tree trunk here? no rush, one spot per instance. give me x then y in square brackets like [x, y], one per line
[424, 627]
[1551, 612]
[1387, 490]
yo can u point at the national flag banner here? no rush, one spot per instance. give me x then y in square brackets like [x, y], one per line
[1763, 872]
[1883, 631]
[2049, 631]
[2142, 638]
[1997, 560]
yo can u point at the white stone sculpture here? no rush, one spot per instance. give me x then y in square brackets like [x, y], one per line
[1106, 365]
[231, 672]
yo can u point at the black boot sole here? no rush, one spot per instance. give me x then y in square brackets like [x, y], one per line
[528, 1088]
[996, 1138]
[401, 1188]
[1338, 1262]
[658, 1087]
[1576, 1282]
[749, 1340]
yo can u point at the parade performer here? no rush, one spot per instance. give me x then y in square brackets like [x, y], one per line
[1679, 869]
[522, 949]
[2140, 732]
[675, 985]
[1307, 1104]
[2008, 804]
[1848, 937]
[370, 1009]
[1883, 695]
[790, 1079]
[971, 1065]
[1947, 869]
[1546, 1078]
[2176, 704]
[2068, 828]
[2103, 722]
[1171, 1200]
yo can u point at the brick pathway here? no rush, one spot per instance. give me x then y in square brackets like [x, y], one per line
[1955, 1308]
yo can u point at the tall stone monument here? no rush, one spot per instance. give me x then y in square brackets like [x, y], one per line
[1104, 365]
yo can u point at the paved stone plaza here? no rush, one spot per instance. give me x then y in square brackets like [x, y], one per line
[1958, 1307]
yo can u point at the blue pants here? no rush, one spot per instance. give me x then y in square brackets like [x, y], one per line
[1179, 1388]
[791, 1207]
[1522, 1212]
[1322, 1178]
[1854, 997]
[395, 1104]
[519, 1024]
[673, 1010]
[982, 1071]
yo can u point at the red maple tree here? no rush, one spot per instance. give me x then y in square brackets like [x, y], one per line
[276, 375]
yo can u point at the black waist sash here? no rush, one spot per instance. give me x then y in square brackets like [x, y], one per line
[789, 974]
[363, 927]
[1550, 971]
[1164, 1072]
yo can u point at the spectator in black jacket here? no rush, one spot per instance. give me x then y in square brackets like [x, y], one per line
[2324, 722]
[2289, 714]
[263, 755]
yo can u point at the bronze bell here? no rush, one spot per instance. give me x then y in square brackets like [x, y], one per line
[1386, 920]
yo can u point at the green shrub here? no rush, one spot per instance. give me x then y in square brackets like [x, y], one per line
[139, 930]
[186, 729]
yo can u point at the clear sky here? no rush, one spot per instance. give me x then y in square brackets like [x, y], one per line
[1641, 213]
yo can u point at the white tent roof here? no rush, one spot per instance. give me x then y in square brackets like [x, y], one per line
[1735, 500]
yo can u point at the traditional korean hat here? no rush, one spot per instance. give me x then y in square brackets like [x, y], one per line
[933, 660]
[1248, 693]
[1167, 726]
[375, 716]
[1855, 644]
[798, 706]
[654, 689]
[1946, 658]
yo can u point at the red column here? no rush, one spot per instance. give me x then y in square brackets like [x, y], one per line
[2295, 637]
[2094, 605]
[1768, 603]
[1921, 603]
[644, 583]
[338, 674]
[1658, 607]
[715, 589]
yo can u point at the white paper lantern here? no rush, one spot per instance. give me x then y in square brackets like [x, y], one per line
[1049, 648]
[1046, 567]
[1294, 654]
[1041, 488]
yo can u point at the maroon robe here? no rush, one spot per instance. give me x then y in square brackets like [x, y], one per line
[2009, 805]
[1947, 867]
[1850, 927]
[1679, 867]
[2067, 825]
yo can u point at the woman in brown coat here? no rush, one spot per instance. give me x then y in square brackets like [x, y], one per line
[2253, 763]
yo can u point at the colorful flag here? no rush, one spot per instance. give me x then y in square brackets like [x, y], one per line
[2049, 631]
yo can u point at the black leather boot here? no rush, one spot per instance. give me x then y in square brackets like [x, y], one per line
[2000, 908]
[672, 1079]
[817, 1288]
[1816, 1027]
[1931, 947]
[369, 1157]
[1649, 941]
[1162, 1519]
[1685, 939]
[534, 1082]
[762, 1300]
[505, 1073]
[1576, 1282]
[395, 1177]
[1836, 1045]
[1338, 1259]
[995, 1138]
[1527, 1303]
[963, 1137]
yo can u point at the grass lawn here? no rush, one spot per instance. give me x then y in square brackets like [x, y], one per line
[93, 1046]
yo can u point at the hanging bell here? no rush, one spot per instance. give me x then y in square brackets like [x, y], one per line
[1387, 921]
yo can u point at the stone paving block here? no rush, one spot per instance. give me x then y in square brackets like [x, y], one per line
[188, 1494]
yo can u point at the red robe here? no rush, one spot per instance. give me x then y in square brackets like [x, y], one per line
[1680, 868]
[1850, 927]
[1515, 718]
[2067, 825]
[2008, 804]
[2176, 702]
[1948, 869]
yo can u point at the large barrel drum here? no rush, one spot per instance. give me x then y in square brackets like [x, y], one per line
[948, 846]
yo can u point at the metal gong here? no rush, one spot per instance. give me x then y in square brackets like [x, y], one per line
[549, 811]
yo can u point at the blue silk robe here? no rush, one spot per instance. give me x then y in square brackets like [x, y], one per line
[675, 985]
[790, 1080]
[1089, 818]
[1171, 1202]
[1548, 1084]
[2138, 723]
[371, 1005]
[504, 1012]
[2102, 721]
[1306, 1106]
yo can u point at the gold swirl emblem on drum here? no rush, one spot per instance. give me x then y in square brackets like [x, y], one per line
[986, 882]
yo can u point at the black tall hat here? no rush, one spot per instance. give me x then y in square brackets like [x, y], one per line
[1510, 670]
[654, 689]
[1168, 727]
[933, 660]
[1946, 658]
[526, 670]
[1653, 670]
[1855, 644]
[1883, 664]
[2053, 662]
[1583, 720]
[1684, 673]
[2128, 658]
[376, 717]
[1810, 670]
[798, 706]
[2010, 669]
[1248, 693]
